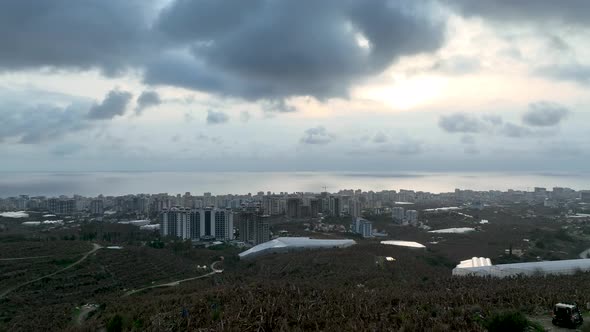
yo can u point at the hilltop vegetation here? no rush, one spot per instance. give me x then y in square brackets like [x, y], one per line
[342, 289]
[334, 289]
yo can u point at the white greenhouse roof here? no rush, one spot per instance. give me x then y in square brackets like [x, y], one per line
[31, 223]
[455, 230]
[410, 244]
[448, 208]
[474, 262]
[569, 266]
[150, 227]
[136, 222]
[282, 244]
[18, 214]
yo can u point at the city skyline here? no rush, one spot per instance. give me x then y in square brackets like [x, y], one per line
[122, 183]
[338, 165]
[337, 85]
[291, 203]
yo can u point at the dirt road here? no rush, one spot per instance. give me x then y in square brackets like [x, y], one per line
[23, 258]
[95, 247]
[214, 270]
[545, 321]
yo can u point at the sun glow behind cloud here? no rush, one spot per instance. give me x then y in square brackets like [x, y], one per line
[405, 93]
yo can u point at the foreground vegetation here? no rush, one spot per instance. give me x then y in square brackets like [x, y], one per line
[335, 289]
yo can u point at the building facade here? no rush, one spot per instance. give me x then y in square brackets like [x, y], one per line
[197, 224]
[253, 228]
[97, 207]
[363, 227]
[61, 206]
[412, 217]
[294, 207]
[398, 214]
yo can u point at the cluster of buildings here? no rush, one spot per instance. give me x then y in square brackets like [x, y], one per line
[211, 223]
[244, 217]
[293, 205]
[197, 224]
[362, 227]
[401, 216]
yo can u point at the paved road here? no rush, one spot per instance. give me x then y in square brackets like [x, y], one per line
[23, 258]
[95, 247]
[177, 282]
[545, 321]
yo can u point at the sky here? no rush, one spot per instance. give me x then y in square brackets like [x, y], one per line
[284, 85]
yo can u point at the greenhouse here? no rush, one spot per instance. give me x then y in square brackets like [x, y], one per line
[288, 244]
[409, 244]
[482, 267]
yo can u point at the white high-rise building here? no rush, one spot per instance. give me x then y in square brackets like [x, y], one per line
[412, 217]
[354, 208]
[253, 228]
[363, 227]
[270, 205]
[398, 214]
[335, 206]
[197, 224]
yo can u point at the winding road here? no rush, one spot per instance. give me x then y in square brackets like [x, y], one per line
[22, 258]
[95, 247]
[177, 282]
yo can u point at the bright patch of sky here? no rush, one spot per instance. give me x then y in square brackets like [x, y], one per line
[444, 87]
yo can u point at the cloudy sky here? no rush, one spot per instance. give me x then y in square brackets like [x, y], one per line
[441, 85]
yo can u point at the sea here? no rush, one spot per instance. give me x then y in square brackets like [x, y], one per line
[219, 183]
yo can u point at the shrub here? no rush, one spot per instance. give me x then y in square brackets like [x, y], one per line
[115, 324]
[507, 321]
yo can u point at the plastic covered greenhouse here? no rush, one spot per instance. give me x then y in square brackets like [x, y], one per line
[482, 267]
[287, 244]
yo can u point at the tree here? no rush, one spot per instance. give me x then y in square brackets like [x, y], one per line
[115, 324]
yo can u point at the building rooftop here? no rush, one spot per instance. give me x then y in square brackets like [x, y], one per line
[282, 244]
[410, 244]
[568, 266]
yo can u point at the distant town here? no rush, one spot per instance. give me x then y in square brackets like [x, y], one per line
[118, 254]
[244, 218]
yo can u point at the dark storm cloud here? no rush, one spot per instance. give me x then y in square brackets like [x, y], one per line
[461, 123]
[519, 11]
[114, 104]
[541, 114]
[316, 136]
[277, 105]
[214, 117]
[275, 49]
[33, 123]
[36, 124]
[81, 34]
[472, 124]
[545, 114]
[147, 99]
[260, 49]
